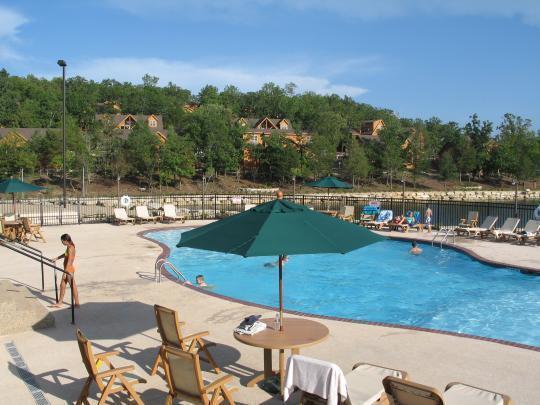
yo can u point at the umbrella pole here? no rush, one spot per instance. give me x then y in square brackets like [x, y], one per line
[280, 293]
[13, 203]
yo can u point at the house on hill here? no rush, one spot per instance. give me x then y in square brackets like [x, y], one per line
[256, 129]
[124, 123]
[20, 136]
[190, 107]
[368, 130]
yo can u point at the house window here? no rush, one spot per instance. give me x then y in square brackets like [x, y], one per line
[254, 139]
[152, 123]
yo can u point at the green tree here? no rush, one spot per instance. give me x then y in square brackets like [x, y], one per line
[391, 150]
[177, 158]
[208, 95]
[321, 155]
[480, 134]
[143, 148]
[278, 158]
[447, 166]
[14, 157]
[356, 164]
[466, 157]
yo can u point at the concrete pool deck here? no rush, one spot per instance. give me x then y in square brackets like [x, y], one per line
[115, 277]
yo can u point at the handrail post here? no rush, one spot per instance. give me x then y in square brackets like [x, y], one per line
[42, 274]
[41, 210]
[72, 304]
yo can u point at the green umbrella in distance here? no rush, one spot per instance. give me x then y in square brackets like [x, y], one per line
[16, 186]
[279, 227]
[328, 183]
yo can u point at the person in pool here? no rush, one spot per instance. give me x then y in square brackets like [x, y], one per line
[199, 280]
[415, 250]
[274, 264]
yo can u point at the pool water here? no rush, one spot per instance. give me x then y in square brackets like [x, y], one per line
[439, 289]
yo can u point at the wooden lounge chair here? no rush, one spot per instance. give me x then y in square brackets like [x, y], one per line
[529, 233]
[141, 214]
[185, 381]
[121, 216]
[346, 213]
[382, 220]
[403, 392]
[469, 222]
[506, 230]
[169, 214]
[109, 381]
[488, 224]
[31, 230]
[398, 224]
[364, 381]
[171, 335]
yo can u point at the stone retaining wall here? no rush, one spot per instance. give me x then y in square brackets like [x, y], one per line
[477, 195]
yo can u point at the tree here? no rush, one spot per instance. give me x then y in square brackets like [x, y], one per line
[466, 157]
[321, 155]
[208, 95]
[480, 134]
[447, 166]
[391, 138]
[278, 158]
[177, 158]
[143, 148]
[15, 156]
[356, 164]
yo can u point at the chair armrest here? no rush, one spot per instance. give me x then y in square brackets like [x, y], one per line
[196, 335]
[107, 354]
[114, 371]
[220, 381]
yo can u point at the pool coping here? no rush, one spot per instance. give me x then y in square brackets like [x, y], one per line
[166, 252]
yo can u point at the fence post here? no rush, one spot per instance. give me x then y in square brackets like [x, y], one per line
[215, 205]
[60, 211]
[41, 210]
[79, 210]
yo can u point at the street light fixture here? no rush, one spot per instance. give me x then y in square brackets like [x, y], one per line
[62, 63]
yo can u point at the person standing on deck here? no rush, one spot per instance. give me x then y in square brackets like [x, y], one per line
[69, 268]
[428, 218]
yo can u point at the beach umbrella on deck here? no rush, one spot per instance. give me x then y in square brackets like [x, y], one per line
[279, 228]
[328, 183]
[16, 186]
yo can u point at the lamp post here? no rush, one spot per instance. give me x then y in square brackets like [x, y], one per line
[63, 64]
[515, 184]
[403, 195]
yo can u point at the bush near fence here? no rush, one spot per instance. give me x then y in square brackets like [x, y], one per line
[47, 211]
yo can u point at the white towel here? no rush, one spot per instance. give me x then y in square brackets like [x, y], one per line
[315, 377]
[256, 327]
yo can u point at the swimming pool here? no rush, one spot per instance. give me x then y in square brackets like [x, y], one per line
[440, 289]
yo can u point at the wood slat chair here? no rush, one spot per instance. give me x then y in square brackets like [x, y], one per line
[185, 380]
[110, 381]
[169, 328]
[402, 392]
[31, 230]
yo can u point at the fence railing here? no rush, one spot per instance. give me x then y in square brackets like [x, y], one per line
[48, 211]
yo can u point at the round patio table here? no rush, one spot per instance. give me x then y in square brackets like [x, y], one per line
[297, 333]
[15, 229]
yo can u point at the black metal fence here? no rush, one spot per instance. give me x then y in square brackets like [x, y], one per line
[49, 211]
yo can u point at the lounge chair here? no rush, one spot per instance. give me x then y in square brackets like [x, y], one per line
[121, 216]
[249, 206]
[169, 328]
[487, 225]
[506, 230]
[530, 232]
[369, 213]
[109, 381]
[31, 230]
[403, 392]
[169, 214]
[346, 213]
[470, 221]
[185, 380]
[383, 218]
[141, 214]
[363, 383]
[10, 217]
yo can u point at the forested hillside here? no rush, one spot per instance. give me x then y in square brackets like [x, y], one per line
[209, 141]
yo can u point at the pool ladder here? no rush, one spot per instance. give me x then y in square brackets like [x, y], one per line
[444, 233]
[160, 265]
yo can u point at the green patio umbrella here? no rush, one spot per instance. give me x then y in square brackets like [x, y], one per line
[328, 183]
[279, 227]
[16, 186]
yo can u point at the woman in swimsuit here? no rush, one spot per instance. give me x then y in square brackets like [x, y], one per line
[69, 258]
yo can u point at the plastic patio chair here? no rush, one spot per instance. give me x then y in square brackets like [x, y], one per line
[507, 229]
[141, 214]
[121, 216]
[487, 225]
[169, 214]
[169, 328]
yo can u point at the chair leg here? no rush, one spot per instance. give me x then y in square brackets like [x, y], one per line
[84, 392]
[131, 391]
[210, 358]
[158, 362]
[106, 392]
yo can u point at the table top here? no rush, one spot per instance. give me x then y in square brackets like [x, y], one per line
[297, 333]
[12, 223]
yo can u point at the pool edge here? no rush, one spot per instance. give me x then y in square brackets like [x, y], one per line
[166, 252]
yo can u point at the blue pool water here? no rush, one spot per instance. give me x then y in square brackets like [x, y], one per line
[440, 289]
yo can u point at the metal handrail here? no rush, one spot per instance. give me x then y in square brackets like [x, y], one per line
[162, 263]
[37, 255]
[447, 232]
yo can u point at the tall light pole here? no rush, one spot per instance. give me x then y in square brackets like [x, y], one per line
[515, 184]
[63, 64]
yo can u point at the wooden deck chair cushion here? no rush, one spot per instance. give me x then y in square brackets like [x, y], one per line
[409, 393]
[364, 383]
[142, 211]
[462, 394]
[169, 210]
[184, 369]
[168, 326]
[120, 213]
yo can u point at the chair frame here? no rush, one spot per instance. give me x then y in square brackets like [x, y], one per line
[217, 390]
[114, 374]
[193, 343]
[117, 220]
[31, 230]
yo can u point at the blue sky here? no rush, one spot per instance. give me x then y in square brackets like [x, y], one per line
[420, 58]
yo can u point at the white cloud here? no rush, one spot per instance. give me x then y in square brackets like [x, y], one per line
[10, 21]
[248, 10]
[193, 76]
